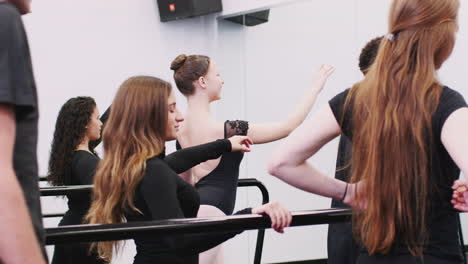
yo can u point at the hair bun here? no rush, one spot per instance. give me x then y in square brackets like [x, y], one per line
[178, 62]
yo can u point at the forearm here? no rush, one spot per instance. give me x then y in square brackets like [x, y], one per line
[186, 158]
[306, 177]
[300, 112]
[18, 243]
[268, 132]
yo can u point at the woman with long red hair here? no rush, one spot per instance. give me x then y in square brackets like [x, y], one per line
[408, 134]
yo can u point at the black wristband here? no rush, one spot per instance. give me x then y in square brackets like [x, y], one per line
[344, 195]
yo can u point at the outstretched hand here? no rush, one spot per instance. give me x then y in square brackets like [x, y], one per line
[240, 143]
[280, 216]
[460, 195]
[322, 75]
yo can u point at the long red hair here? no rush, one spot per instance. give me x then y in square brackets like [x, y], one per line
[391, 113]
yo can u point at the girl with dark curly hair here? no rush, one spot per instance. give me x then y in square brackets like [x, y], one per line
[72, 162]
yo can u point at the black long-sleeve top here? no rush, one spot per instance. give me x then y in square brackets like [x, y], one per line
[162, 194]
[84, 166]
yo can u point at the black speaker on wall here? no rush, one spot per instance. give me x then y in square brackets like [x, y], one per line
[179, 9]
[251, 19]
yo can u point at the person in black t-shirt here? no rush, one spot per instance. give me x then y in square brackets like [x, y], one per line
[20, 204]
[72, 162]
[409, 143]
[342, 247]
[135, 182]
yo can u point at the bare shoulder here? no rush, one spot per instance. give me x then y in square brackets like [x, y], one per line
[194, 133]
[217, 127]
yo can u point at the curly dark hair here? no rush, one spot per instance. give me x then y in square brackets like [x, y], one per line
[368, 54]
[70, 129]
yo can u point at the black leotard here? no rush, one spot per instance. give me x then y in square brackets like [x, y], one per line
[219, 187]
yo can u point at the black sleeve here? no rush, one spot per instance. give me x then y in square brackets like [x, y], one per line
[85, 167]
[17, 85]
[93, 144]
[235, 128]
[342, 116]
[450, 101]
[184, 159]
[159, 190]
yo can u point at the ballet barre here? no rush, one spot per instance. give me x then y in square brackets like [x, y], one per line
[171, 227]
[248, 182]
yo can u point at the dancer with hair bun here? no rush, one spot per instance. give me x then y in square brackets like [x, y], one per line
[197, 77]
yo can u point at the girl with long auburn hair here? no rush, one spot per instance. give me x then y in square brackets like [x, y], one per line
[197, 77]
[408, 135]
[134, 181]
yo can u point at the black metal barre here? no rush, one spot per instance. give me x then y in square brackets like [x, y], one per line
[248, 182]
[89, 233]
[64, 190]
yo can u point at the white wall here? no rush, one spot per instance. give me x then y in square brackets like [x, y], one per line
[90, 47]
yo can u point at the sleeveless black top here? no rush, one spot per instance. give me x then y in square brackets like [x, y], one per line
[219, 187]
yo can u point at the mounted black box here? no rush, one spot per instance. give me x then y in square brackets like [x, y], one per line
[251, 19]
[179, 9]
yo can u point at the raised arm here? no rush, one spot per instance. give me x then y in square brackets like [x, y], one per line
[289, 161]
[455, 140]
[268, 132]
[18, 243]
[186, 158]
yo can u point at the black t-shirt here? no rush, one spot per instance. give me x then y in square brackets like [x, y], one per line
[442, 224]
[17, 88]
[342, 248]
[162, 194]
[83, 168]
